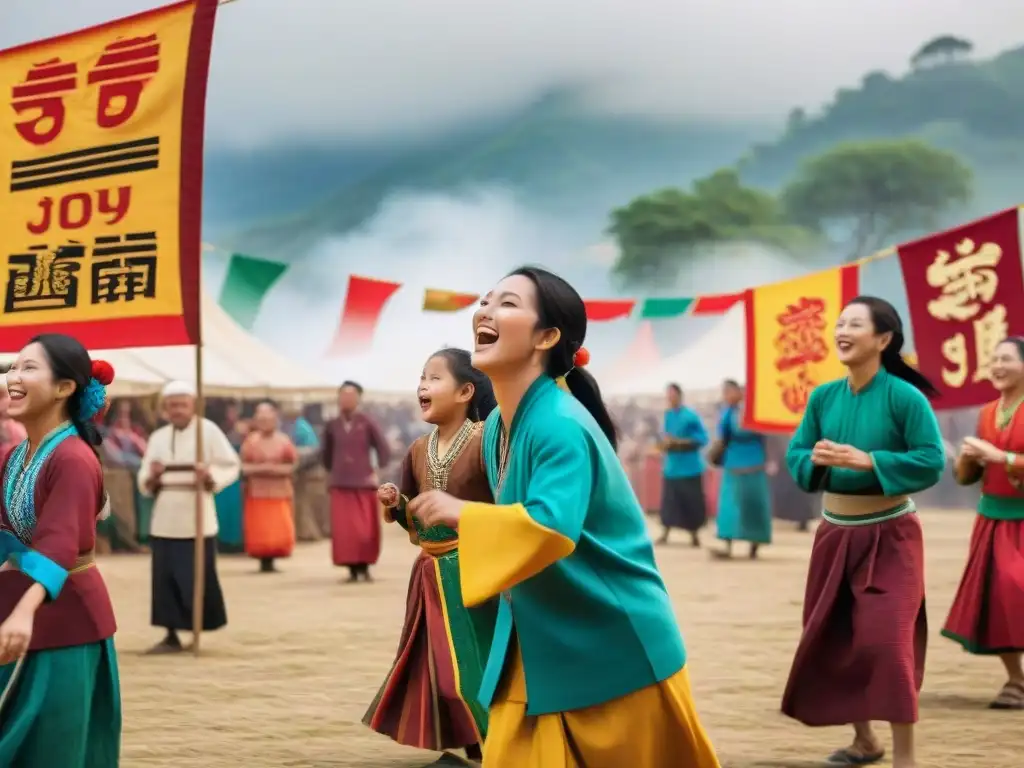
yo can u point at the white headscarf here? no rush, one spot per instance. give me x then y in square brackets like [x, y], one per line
[178, 389]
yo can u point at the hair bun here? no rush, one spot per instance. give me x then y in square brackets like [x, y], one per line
[103, 372]
[581, 359]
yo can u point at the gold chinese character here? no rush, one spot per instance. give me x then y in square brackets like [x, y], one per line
[971, 278]
[954, 349]
[43, 279]
[989, 329]
[124, 268]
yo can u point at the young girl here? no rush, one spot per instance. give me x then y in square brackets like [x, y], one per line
[868, 440]
[60, 702]
[428, 700]
[587, 663]
[987, 617]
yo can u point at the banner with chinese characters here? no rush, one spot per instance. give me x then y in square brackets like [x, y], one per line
[789, 344]
[101, 152]
[966, 294]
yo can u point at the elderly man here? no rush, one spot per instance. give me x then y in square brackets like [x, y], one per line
[171, 474]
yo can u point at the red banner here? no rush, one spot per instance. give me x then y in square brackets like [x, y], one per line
[364, 302]
[966, 292]
[602, 310]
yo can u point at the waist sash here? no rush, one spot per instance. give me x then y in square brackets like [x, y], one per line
[846, 509]
[84, 562]
[438, 548]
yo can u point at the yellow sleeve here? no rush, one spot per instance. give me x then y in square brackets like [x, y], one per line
[502, 545]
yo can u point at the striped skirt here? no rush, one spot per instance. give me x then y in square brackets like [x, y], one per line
[428, 699]
[64, 709]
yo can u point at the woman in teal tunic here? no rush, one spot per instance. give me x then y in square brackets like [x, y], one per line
[869, 441]
[60, 704]
[744, 497]
[587, 666]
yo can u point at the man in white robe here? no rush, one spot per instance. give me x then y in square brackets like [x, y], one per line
[170, 473]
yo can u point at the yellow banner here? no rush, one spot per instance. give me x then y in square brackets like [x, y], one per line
[101, 147]
[790, 346]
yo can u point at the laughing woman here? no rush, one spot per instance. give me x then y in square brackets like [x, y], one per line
[587, 666]
[868, 440]
[987, 617]
[60, 703]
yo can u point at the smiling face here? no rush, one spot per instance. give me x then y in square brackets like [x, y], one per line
[505, 328]
[442, 399]
[855, 336]
[1007, 367]
[32, 388]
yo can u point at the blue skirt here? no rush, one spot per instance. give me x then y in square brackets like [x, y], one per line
[745, 507]
[229, 517]
[64, 710]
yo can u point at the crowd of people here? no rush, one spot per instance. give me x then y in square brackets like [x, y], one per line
[538, 629]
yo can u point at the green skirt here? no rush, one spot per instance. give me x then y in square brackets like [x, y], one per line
[64, 710]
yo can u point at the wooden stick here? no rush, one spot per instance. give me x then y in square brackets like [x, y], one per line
[11, 683]
[199, 566]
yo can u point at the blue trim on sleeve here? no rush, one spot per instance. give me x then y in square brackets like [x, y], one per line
[36, 566]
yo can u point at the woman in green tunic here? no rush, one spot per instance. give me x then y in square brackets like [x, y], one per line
[869, 441]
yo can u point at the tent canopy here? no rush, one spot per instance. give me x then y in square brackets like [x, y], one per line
[719, 354]
[235, 364]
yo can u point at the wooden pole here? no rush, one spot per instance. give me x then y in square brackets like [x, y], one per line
[199, 567]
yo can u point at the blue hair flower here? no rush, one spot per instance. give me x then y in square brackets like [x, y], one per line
[94, 396]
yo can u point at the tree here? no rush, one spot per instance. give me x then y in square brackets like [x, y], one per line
[655, 231]
[945, 49]
[865, 194]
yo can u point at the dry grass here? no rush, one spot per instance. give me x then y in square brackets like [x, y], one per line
[286, 684]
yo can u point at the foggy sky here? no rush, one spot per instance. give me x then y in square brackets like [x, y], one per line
[380, 69]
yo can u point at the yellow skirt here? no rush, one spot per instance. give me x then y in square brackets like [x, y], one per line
[655, 727]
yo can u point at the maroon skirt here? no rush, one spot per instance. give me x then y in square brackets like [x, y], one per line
[987, 616]
[355, 526]
[861, 655]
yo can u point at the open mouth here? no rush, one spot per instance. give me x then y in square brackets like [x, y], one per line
[844, 346]
[485, 336]
[425, 403]
[16, 394]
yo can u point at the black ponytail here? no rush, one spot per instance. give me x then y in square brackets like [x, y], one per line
[460, 365]
[560, 306]
[585, 389]
[886, 319]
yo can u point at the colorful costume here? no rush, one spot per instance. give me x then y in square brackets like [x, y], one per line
[682, 495]
[355, 513]
[428, 700]
[587, 664]
[745, 498]
[987, 616]
[861, 655]
[269, 521]
[62, 704]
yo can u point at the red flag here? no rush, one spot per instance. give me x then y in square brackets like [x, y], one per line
[364, 302]
[964, 287]
[717, 304]
[600, 310]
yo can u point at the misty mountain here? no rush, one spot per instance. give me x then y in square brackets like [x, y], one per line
[556, 156]
[975, 109]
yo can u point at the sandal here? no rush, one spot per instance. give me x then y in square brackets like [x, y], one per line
[847, 756]
[1010, 697]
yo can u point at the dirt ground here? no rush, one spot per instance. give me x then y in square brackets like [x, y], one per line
[285, 685]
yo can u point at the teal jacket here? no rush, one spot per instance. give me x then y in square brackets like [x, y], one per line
[567, 547]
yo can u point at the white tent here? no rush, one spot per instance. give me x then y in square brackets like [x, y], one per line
[235, 364]
[719, 354]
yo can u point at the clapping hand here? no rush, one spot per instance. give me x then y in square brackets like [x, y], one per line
[982, 451]
[828, 454]
[388, 495]
[436, 508]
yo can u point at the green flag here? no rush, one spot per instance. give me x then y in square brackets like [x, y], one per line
[655, 309]
[247, 282]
